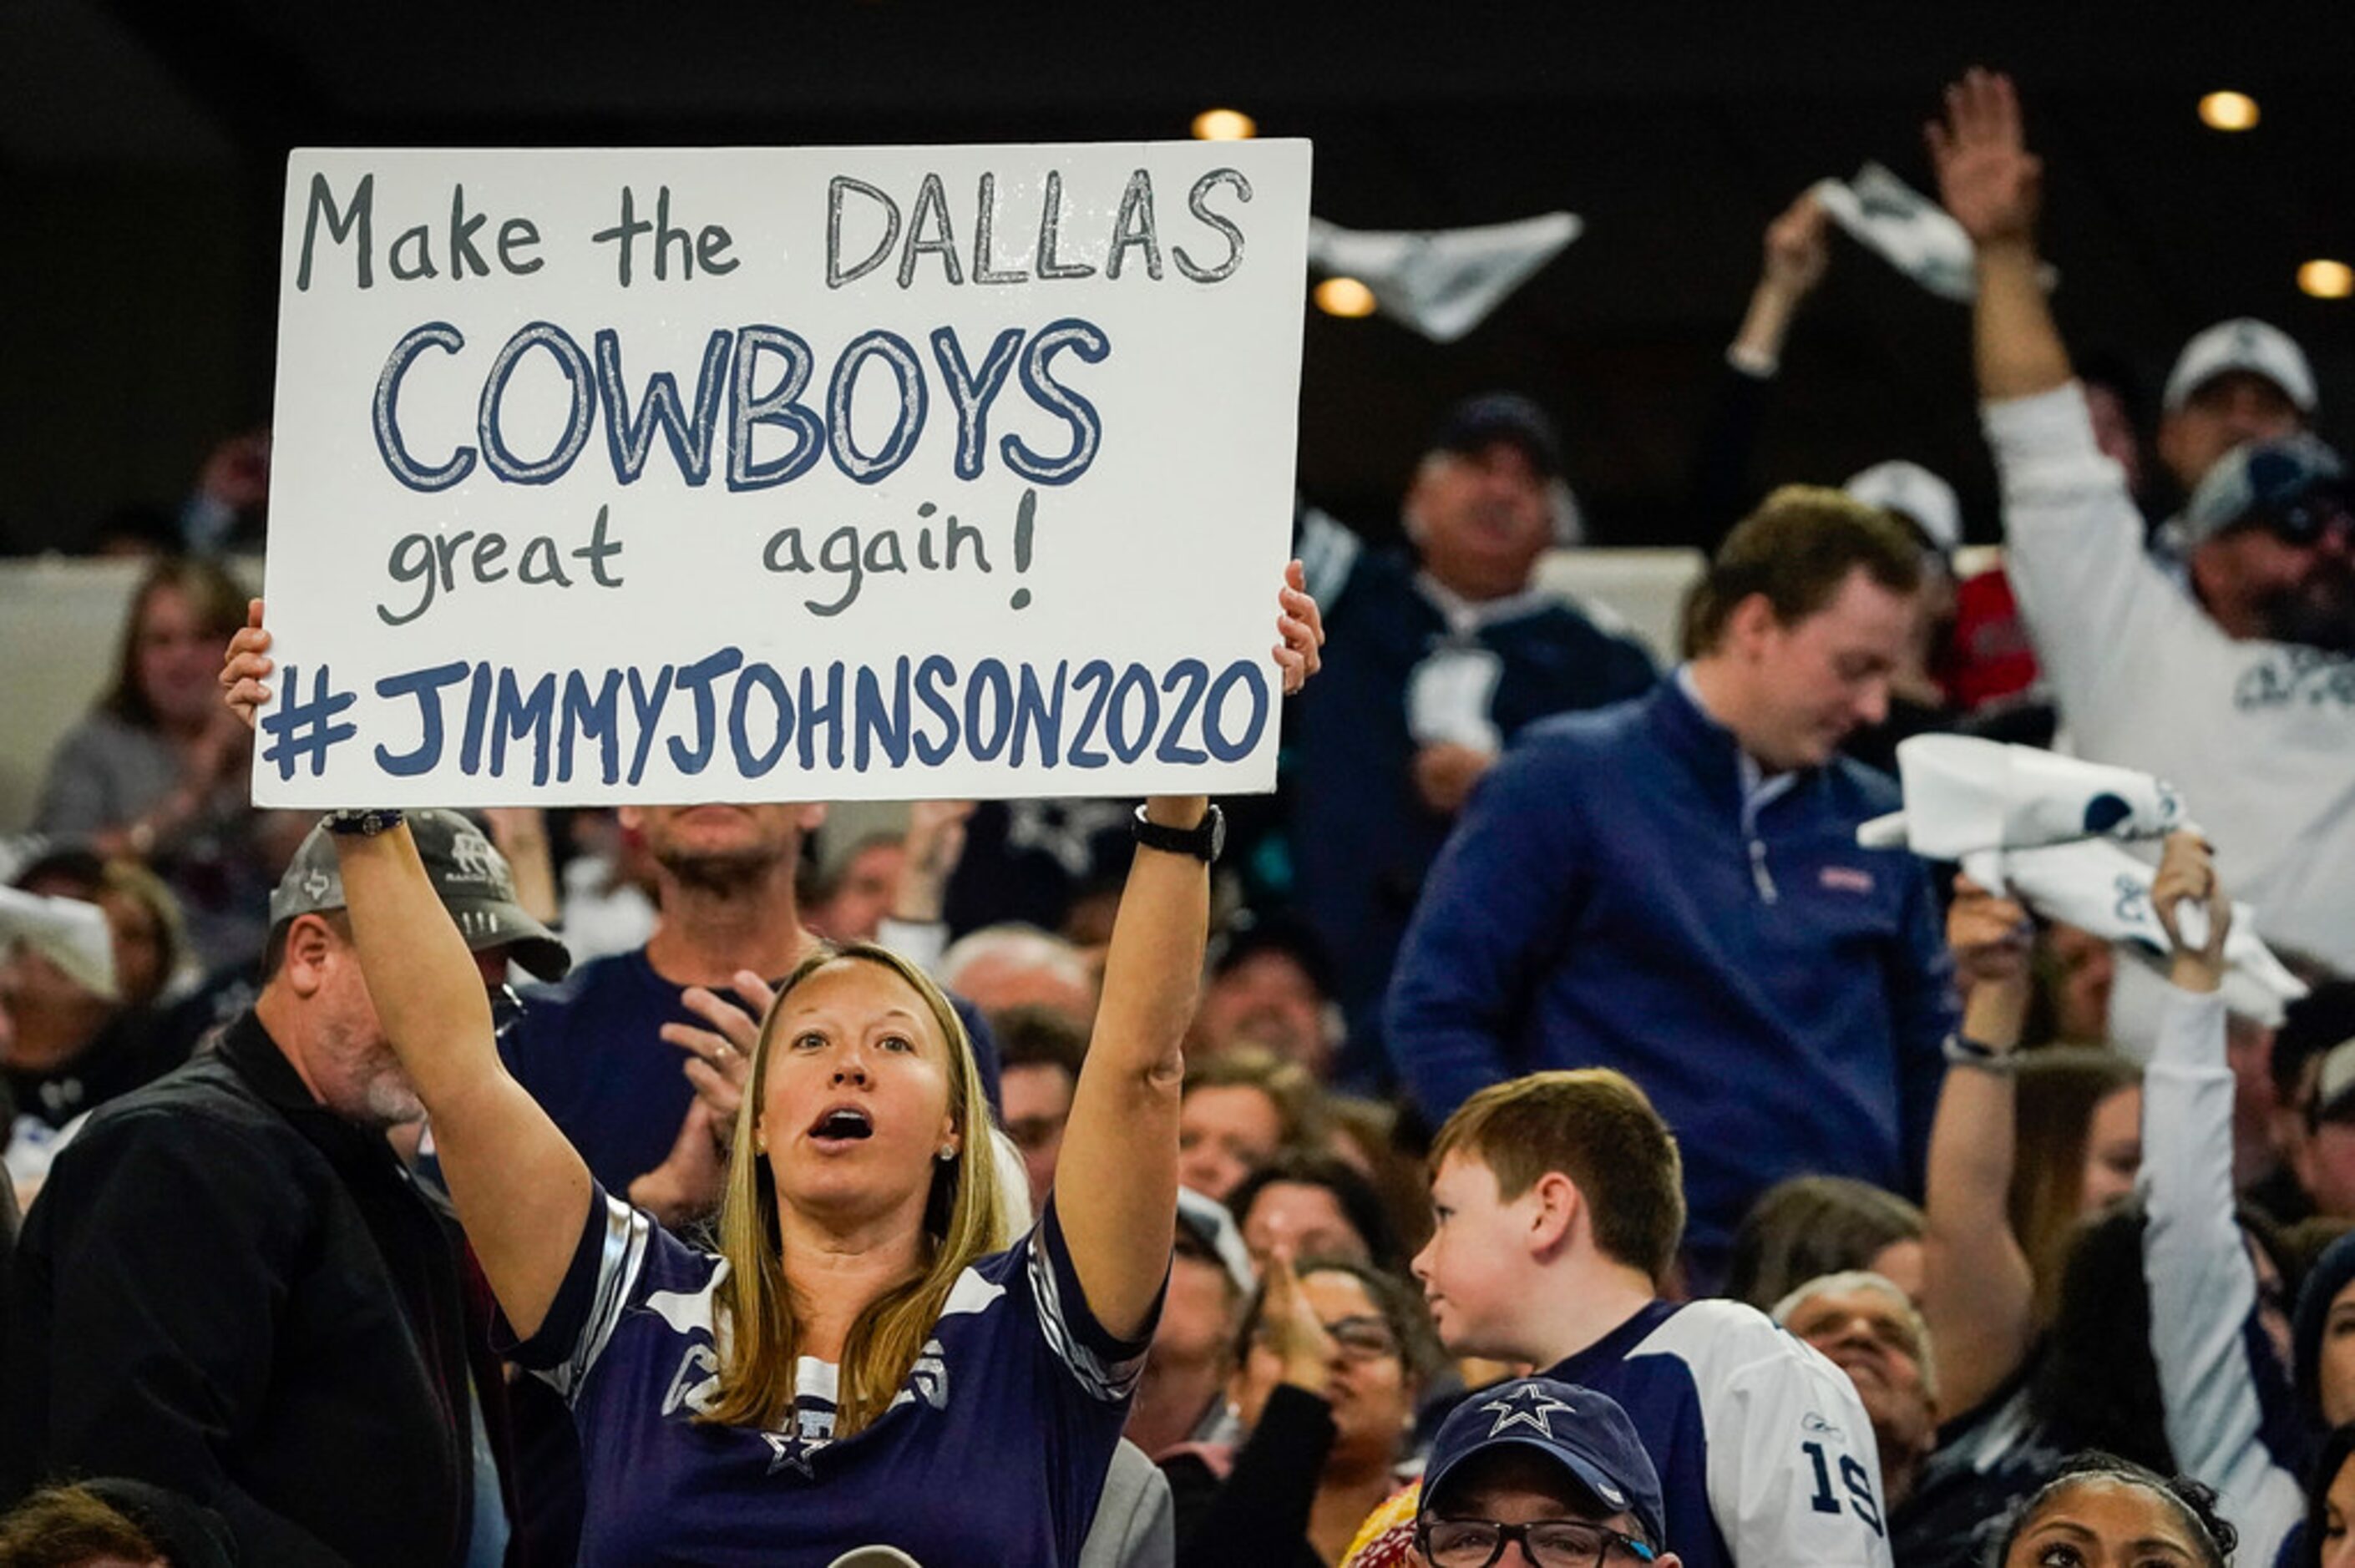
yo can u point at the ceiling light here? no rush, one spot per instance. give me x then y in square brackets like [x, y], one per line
[2228, 111]
[2327, 279]
[1224, 125]
[1344, 297]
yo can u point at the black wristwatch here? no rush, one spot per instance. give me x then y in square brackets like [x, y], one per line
[361, 824]
[1203, 840]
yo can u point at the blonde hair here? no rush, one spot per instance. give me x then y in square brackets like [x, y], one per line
[963, 1221]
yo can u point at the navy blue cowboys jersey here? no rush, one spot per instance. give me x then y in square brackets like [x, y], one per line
[993, 1451]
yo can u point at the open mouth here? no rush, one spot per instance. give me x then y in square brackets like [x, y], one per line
[842, 1125]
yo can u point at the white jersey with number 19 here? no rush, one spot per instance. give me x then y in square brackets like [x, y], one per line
[1765, 1457]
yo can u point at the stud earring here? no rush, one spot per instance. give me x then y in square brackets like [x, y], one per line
[948, 1151]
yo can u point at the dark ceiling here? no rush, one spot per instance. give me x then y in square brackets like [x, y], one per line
[142, 148]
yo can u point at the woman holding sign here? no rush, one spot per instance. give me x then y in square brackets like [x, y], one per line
[865, 1359]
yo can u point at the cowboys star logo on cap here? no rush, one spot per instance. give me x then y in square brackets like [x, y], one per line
[1526, 1405]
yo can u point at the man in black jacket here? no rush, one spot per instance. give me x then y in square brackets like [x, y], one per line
[233, 1288]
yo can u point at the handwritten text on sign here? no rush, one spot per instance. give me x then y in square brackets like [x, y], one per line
[775, 474]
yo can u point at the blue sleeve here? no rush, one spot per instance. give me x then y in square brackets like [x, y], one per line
[1502, 887]
[1104, 1365]
[1923, 1010]
[609, 1274]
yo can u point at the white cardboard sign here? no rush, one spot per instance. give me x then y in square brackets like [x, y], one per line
[748, 474]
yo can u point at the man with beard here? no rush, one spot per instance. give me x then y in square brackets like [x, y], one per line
[2235, 685]
[231, 1288]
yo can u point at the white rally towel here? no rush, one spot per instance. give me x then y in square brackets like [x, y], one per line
[1441, 282]
[1913, 233]
[69, 933]
[1964, 794]
[2099, 887]
[1448, 696]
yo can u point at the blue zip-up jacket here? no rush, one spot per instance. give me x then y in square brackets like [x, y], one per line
[1780, 993]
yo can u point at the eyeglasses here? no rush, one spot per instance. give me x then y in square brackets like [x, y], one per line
[1550, 1543]
[1360, 1338]
[2307, 520]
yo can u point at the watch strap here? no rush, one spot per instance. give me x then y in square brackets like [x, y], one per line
[1202, 840]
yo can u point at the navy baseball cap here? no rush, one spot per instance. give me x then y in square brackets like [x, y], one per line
[2297, 484]
[1490, 417]
[1585, 1432]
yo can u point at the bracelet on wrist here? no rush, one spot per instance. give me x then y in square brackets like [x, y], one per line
[355, 822]
[1962, 1051]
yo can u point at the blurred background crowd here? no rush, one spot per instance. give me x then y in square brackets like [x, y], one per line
[1605, 700]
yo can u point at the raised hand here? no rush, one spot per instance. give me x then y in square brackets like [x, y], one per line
[1798, 248]
[720, 1058]
[219, 755]
[244, 664]
[1988, 178]
[1290, 1328]
[2187, 875]
[934, 844]
[237, 474]
[1301, 627]
[687, 1184]
[1990, 937]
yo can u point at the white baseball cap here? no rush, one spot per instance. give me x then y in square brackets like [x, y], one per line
[1210, 1223]
[2337, 1085]
[2247, 344]
[1908, 487]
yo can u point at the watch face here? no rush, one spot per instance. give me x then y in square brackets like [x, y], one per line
[1216, 821]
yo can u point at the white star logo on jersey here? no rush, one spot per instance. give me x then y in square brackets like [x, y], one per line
[1527, 1405]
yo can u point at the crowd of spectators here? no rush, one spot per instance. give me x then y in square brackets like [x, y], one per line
[1552, 1135]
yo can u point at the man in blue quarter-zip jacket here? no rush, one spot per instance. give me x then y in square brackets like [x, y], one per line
[1672, 887]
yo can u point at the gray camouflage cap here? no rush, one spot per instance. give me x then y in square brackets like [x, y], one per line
[468, 873]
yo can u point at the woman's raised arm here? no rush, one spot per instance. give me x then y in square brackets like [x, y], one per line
[1116, 1180]
[1979, 1292]
[521, 1191]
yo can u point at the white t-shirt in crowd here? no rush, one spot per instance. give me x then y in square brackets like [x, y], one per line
[2258, 735]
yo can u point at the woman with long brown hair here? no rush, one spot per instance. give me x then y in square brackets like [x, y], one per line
[866, 1359]
[156, 772]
